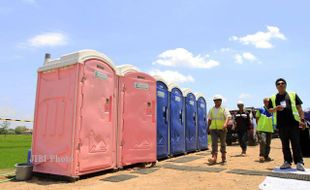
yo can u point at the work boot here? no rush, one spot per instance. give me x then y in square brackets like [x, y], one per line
[268, 159]
[243, 153]
[261, 159]
[213, 159]
[223, 157]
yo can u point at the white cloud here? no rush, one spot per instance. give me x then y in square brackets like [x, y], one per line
[225, 50]
[224, 99]
[172, 76]
[46, 39]
[245, 96]
[248, 56]
[238, 59]
[245, 56]
[182, 57]
[261, 39]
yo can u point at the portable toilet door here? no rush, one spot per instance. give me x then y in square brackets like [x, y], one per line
[202, 123]
[162, 118]
[177, 129]
[137, 117]
[190, 120]
[75, 115]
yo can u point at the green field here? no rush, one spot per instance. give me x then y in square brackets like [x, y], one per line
[13, 149]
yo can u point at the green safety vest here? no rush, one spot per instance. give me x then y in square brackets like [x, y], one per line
[292, 96]
[264, 123]
[218, 120]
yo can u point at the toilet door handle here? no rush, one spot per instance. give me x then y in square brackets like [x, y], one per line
[110, 110]
[181, 116]
[153, 111]
[166, 114]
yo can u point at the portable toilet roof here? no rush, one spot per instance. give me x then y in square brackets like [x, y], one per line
[199, 95]
[75, 57]
[122, 70]
[171, 86]
[186, 91]
[159, 78]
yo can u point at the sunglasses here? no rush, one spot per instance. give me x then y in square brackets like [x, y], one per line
[217, 100]
[280, 83]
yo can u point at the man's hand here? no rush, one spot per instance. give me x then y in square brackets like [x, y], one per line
[279, 108]
[302, 124]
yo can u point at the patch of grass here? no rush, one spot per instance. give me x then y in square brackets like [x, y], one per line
[13, 149]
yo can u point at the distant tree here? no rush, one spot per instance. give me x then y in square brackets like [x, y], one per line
[20, 129]
[4, 126]
[11, 131]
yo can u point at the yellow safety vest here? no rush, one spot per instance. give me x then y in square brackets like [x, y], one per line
[292, 96]
[218, 120]
[265, 121]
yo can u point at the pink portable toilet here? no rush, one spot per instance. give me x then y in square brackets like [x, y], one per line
[75, 115]
[136, 117]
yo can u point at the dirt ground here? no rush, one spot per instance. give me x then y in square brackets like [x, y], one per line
[166, 178]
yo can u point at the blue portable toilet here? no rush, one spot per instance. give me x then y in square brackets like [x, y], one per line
[202, 122]
[162, 125]
[190, 120]
[177, 125]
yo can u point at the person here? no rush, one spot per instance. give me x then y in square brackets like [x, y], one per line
[218, 118]
[288, 116]
[264, 131]
[243, 124]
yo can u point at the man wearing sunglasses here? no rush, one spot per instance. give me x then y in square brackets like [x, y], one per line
[218, 118]
[288, 116]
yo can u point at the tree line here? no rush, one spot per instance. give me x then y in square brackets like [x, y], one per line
[6, 130]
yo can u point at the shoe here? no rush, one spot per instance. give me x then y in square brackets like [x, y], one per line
[223, 157]
[261, 159]
[300, 167]
[268, 159]
[243, 153]
[212, 160]
[285, 165]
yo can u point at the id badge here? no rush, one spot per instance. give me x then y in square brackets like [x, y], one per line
[283, 104]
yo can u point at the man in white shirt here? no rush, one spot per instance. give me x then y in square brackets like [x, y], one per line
[218, 118]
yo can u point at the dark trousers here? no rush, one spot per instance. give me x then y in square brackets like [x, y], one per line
[215, 135]
[243, 139]
[290, 134]
[264, 139]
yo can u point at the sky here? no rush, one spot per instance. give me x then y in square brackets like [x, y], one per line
[233, 48]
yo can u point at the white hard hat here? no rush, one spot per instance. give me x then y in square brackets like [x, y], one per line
[240, 103]
[217, 97]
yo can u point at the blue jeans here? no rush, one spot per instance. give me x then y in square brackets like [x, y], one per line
[243, 139]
